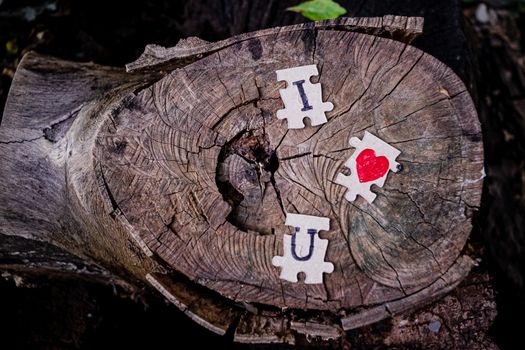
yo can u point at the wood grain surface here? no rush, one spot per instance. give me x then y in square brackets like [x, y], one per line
[205, 173]
[180, 175]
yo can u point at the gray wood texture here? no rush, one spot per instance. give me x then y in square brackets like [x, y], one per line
[179, 175]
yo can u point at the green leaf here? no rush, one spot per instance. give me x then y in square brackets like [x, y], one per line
[317, 10]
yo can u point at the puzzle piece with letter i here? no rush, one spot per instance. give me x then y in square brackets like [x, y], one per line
[301, 98]
[304, 251]
[369, 165]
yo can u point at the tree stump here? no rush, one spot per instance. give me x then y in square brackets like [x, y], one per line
[179, 174]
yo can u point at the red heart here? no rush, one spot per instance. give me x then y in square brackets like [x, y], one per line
[369, 167]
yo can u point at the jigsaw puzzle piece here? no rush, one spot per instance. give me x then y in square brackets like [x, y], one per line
[301, 98]
[369, 165]
[304, 251]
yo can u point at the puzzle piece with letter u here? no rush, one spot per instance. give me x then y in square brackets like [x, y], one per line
[304, 251]
[301, 98]
[369, 165]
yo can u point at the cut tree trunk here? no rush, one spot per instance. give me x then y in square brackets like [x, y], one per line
[178, 174]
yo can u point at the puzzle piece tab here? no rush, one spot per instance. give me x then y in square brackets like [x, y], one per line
[304, 251]
[369, 165]
[302, 98]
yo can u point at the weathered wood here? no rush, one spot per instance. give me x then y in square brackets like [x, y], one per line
[46, 97]
[188, 50]
[443, 36]
[20, 255]
[183, 181]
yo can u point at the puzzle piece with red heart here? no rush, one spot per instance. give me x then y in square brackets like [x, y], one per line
[369, 165]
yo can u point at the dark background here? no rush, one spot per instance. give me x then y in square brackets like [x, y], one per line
[60, 313]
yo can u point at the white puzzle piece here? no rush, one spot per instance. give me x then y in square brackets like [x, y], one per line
[369, 165]
[302, 98]
[304, 251]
